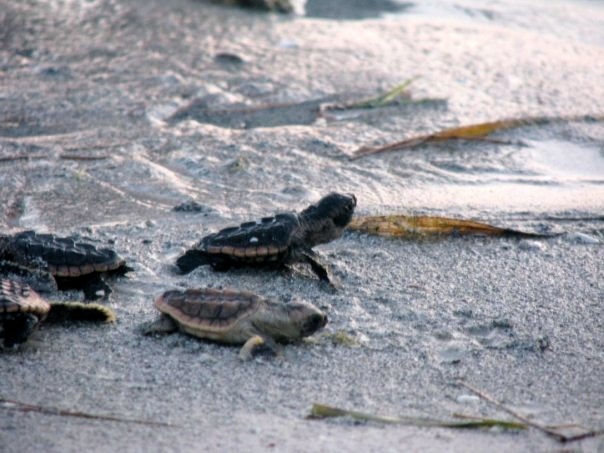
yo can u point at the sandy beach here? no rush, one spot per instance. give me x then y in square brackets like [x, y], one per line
[114, 112]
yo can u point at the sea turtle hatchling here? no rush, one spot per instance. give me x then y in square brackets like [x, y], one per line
[22, 308]
[275, 241]
[235, 317]
[72, 262]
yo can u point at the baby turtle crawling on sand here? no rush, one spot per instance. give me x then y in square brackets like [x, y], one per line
[275, 241]
[73, 263]
[235, 317]
[21, 309]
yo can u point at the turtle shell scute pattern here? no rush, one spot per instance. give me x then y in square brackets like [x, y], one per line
[19, 298]
[207, 308]
[64, 257]
[269, 238]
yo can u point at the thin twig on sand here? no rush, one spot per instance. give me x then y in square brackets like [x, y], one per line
[81, 157]
[560, 437]
[25, 407]
[17, 157]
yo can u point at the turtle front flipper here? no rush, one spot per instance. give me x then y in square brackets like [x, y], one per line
[96, 289]
[320, 268]
[256, 342]
[93, 285]
[19, 329]
[192, 259]
[164, 325]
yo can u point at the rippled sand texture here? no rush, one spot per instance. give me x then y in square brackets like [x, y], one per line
[114, 112]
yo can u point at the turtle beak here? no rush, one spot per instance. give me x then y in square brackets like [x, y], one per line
[313, 323]
[354, 199]
[345, 211]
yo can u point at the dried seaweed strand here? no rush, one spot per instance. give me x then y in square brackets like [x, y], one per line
[545, 429]
[24, 407]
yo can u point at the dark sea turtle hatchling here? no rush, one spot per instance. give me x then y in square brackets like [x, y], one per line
[22, 308]
[235, 317]
[274, 241]
[72, 262]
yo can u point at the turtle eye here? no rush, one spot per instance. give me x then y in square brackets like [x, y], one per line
[314, 323]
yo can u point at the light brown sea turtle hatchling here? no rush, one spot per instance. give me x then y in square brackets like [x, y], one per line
[235, 317]
[280, 240]
[21, 309]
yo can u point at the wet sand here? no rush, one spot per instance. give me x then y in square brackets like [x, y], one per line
[90, 144]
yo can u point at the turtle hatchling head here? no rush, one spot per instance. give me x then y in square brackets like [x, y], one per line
[292, 321]
[326, 220]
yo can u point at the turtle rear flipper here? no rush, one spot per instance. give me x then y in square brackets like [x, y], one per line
[78, 311]
[19, 329]
[164, 325]
[192, 259]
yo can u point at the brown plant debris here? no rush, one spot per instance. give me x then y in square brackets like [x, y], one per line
[478, 131]
[406, 226]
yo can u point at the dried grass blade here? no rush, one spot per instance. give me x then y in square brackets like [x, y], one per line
[404, 226]
[389, 97]
[322, 411]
